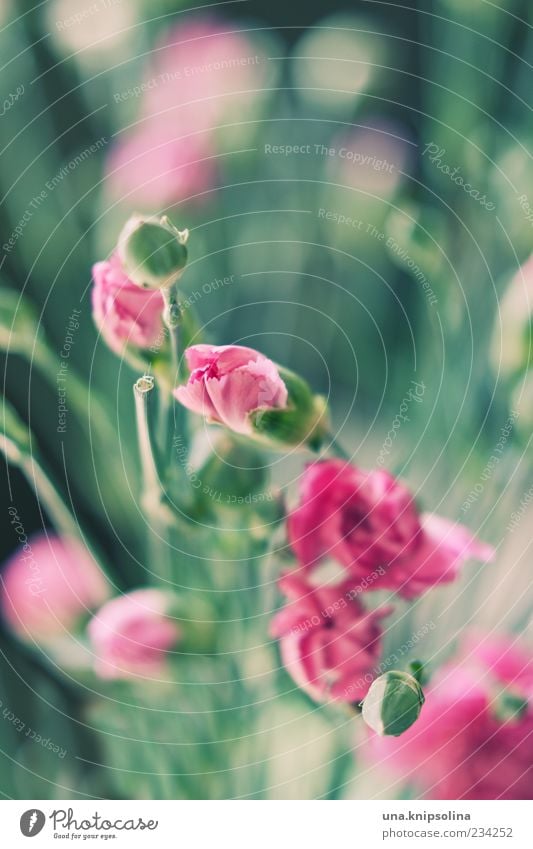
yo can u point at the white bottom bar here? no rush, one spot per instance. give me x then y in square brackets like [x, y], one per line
[267, 825]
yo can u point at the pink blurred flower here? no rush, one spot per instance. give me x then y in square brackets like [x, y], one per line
[511, 349]
[366, 520]
[227, 382]
[132, 634]
[329, 643]
[198, 77]
[155, 166]
[49, 586]
[371, 158]
[202, 72]
[461, 747]
[124, 312]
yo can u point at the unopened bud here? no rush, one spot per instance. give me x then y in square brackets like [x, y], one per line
[393, 703]
[152, 251]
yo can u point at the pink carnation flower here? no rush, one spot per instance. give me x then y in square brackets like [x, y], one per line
[366, 520]
[49, 586]
[462, 746]
[123, 312]
[329, 643]
[228, 382]
[132, 634]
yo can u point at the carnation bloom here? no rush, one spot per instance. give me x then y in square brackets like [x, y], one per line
[467, 743]
[123, 312]
[329, 643]
[132, 634]
[49, 586]
[228, 382]
[366, 520]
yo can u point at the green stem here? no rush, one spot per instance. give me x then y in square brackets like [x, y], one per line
[158, 513]
[46, 492]
[336, 449]
[172, 317]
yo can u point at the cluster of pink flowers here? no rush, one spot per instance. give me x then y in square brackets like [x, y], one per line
[51, 589]
[368, 522]
[474, 737]
[202, 75]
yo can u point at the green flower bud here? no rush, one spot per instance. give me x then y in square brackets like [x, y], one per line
[304, 421]
[393, 703]
[152, 251]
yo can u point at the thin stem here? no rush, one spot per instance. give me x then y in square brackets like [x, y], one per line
[152, 500]
[170, 416]
[78, 394]
[151, 483]
[163, 414]
[172, 317]
[47, 494]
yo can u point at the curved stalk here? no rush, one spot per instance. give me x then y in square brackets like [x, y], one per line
[153, 504]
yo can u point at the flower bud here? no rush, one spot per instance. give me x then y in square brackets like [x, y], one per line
[153, 252]
[303, 421]
[393, 703]
[249, 394]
